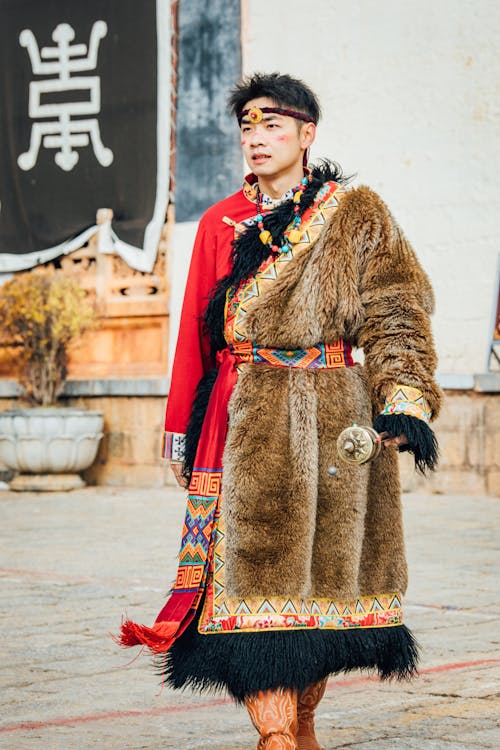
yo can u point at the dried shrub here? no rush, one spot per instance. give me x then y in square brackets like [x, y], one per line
[44, 312]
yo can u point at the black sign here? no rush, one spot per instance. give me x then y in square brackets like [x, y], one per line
[85, 89]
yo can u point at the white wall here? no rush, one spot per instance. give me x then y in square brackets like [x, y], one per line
[181, 246]
[410, 93]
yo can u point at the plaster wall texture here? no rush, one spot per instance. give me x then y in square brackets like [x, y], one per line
[411, 103]
[183, 236]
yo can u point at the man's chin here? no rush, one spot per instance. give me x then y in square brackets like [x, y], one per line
[265, 168]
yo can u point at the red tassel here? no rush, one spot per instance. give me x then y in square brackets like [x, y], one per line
[159, 638]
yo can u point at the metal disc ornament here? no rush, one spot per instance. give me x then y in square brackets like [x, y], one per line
[357, 444]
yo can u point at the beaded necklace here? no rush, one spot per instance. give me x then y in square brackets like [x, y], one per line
[293, 235]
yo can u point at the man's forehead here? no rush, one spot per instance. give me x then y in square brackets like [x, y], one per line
[260, 101]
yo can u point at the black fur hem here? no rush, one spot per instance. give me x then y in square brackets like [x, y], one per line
[421, 439]
[244, 663]
[198, 411]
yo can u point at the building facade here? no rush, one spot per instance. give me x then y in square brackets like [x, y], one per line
[411, 107]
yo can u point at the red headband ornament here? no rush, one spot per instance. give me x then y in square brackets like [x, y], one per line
[255, 114]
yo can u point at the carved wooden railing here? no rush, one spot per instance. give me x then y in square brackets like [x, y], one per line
[131, 339]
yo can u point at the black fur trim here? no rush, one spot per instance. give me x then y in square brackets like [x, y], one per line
[422, 441]
[243, 663]
[249, 252]
[198, 411]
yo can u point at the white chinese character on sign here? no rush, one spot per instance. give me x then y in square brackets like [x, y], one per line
[63, 132]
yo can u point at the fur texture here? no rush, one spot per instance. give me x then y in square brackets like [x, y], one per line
[269, 491]
[421, 439]
[244, 664]
[383, 558]
[294, 529]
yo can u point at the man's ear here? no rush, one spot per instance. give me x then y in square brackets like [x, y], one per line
[307, 134]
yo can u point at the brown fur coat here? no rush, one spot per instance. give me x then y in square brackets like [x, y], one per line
[292, 529]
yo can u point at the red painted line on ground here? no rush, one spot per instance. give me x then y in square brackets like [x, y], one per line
[217, 701]
[112, 715]
[458, 665]
[335, 685]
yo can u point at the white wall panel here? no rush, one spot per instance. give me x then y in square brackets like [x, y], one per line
[410, 92]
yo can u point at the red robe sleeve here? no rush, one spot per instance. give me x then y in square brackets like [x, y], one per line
[210, 261]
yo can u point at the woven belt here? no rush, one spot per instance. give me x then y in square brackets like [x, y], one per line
[320, 356]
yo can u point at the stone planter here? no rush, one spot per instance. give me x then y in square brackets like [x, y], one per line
[49, 446]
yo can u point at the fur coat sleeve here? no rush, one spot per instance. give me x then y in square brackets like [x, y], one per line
[397, 300]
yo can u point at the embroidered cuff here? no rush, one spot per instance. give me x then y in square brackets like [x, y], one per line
[404, 399]
[173, 446]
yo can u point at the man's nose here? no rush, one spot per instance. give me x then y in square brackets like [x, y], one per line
[257, 136]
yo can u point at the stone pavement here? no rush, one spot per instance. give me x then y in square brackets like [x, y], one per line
[71, 564]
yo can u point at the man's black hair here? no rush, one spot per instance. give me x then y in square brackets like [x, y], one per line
[285, 91]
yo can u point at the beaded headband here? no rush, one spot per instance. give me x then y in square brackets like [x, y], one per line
[255, 114]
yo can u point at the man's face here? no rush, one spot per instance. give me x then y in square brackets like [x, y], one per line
[276, 144]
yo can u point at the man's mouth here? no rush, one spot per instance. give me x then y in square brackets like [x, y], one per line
[259, 158]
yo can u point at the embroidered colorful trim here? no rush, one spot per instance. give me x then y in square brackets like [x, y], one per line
[173, 446]
[204, 492]
[224, 614]
[328, 356]
[404, 399]
[383, 610]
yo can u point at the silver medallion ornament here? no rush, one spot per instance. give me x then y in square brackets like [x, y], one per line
[358, 444]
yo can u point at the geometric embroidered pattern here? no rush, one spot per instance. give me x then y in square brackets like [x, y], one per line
[224, 614]
[173, 446]
[316, 357]
[194, 532]
[189, 577]
[197, 530]
[404, 399]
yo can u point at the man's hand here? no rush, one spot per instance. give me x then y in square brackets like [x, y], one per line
[177, 472]
[388, 441]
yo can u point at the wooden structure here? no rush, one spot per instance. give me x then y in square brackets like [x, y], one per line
[131, 339]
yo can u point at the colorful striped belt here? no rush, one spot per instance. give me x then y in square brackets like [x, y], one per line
[320, 356]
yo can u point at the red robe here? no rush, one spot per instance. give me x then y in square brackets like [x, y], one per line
[211, 260]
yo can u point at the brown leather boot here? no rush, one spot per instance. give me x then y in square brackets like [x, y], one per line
[306, 704]
[274, 716]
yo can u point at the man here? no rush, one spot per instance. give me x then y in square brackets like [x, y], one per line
[291, 570]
